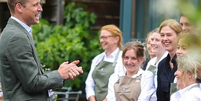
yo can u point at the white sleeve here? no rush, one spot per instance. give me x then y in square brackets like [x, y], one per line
[111, 93]
[147, 86]
[89, 89]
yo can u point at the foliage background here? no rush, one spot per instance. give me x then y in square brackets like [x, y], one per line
[74, 40]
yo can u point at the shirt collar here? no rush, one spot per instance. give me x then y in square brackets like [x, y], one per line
[182, 91]
[113, 54]
[139, 73]
[28, 29]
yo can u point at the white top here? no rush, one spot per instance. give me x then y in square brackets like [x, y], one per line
[147, 85]
[153, 62]
[90, 85]
[190, 93]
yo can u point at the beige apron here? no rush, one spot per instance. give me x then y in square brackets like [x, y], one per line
[127, 88]
[101, 76]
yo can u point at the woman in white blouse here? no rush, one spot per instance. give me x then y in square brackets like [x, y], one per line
[104, 64]
[188, 78]
[160, 52]
[134, 84]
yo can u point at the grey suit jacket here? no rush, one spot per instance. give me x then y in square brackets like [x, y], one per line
[21, 73]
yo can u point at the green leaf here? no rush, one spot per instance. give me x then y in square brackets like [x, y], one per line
[74, 40]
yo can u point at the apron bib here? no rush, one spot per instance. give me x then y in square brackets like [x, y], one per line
[173, 88]
[152, 69]
[127, 88]
[101, 75]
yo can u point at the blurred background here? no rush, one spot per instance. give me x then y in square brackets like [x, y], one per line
[69, 29]
[134, 17]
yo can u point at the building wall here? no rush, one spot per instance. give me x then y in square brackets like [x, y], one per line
[107, 11]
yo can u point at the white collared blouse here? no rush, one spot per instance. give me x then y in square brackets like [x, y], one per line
[189, 93]
[90, 85]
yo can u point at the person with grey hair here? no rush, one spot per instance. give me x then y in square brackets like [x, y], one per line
[188, 78]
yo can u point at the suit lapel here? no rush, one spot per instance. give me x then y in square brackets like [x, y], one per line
[35, 53]
[31, 41]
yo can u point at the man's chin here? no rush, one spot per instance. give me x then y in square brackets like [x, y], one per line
[37, 22]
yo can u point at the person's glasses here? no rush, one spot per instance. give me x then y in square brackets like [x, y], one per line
[105, 37]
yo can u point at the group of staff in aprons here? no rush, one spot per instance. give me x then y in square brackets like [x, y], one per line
[128, 81]
[116, 74]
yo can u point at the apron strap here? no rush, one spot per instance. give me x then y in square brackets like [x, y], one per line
[116, 57]
[115, 60]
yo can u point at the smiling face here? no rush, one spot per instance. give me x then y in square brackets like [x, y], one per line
[182, 49]
[108, 41]
[188, 43]
[182, 80]
[169, 39]
[29, 12]
[131, 62]
[188, 71]
[133, 56]
[156, 45]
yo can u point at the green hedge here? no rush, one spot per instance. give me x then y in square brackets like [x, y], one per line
[71, 41]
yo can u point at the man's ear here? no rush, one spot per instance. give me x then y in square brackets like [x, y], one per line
[19, 8]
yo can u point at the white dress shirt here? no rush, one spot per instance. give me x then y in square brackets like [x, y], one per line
[153, 62]
[189, 93]
[147, 85]
[90, 85]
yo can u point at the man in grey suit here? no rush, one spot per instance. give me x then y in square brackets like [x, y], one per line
[21, 73]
